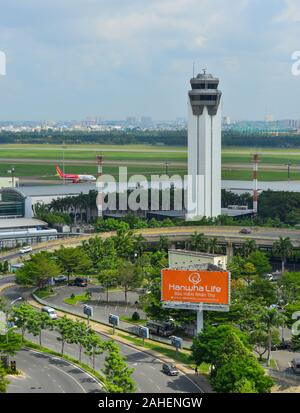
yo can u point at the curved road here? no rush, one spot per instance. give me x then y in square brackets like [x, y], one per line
[43, 373]
[147, 370]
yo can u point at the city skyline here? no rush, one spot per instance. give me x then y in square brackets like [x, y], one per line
[66, 61]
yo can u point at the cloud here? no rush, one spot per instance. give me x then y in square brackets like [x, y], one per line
[290, 13]
[127, 56]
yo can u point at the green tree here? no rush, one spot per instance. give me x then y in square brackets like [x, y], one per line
[129, 277]
[260, 340]
[3, 380]
[65, 328]
[248, 247]
[108, 279]
[93, 346]
[73, 261]
[38, 270]
[207, 346]
[39, 321]
[10, 344]
[235, 363]
[264, 289]
[117, 373]
[290, 287]
[212, 245]
[260, 261]
[79, 336]
[295, 342]
[5, 267]
[197, 242]
[22, 315]
[284, 249]
[272, 320]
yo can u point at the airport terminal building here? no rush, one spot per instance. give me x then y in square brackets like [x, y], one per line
[24, 231]
[19, 202]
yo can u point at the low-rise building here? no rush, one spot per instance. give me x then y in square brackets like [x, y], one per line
[19, 231]
[190, 259]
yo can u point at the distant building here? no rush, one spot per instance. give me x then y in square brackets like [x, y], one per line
[9, 182]
[190, 259]
[269, 118]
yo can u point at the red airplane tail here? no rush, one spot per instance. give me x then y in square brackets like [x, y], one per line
[59, 172]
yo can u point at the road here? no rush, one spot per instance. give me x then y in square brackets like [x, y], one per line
[147, 369]
[43, 373]
[262, 235]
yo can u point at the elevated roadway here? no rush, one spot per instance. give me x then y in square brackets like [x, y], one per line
[228, 235]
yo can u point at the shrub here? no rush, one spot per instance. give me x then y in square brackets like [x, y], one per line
[135, 316]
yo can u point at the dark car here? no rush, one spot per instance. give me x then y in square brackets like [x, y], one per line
[245, 231]
[79, 282]
[283, 345]
[170, 370]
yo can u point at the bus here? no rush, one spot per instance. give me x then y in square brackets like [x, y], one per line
[160, 328]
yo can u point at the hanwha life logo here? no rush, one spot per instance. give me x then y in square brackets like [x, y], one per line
[195, 278]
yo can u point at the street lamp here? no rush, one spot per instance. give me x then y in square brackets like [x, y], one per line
[11, 304]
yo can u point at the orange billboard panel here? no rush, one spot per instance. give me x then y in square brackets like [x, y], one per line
[192, 286]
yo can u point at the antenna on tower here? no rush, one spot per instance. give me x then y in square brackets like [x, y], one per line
[204, 70]
[193, 69]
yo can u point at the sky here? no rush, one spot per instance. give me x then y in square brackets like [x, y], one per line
[69, 59]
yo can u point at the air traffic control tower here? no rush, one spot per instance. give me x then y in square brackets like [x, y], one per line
[204, 148]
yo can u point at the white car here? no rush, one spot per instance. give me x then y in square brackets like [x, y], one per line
[25, 250]
[51, 312]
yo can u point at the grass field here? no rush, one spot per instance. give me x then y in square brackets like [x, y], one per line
[39, 160]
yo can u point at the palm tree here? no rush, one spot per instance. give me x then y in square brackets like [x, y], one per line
[139, 244]
[197, 242]
[163, 244]
[212, 245]
[272, 320]
[284, 249]
[248, 247]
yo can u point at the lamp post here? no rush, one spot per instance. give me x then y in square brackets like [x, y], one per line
[10, 305]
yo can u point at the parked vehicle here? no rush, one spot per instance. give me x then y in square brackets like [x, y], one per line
[170, 370]
[296, 365]
[245, 231]
[283, 345]
[50, 311]
[79, 282]
[160, 328]
[25, 249]
[60, 279]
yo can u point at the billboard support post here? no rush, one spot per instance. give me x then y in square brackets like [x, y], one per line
[199, 321]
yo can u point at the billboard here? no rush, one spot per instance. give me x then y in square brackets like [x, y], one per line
[193, 286]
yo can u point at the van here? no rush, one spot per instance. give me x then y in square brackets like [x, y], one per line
[25, 250]
[51, 312]
[296, 365]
